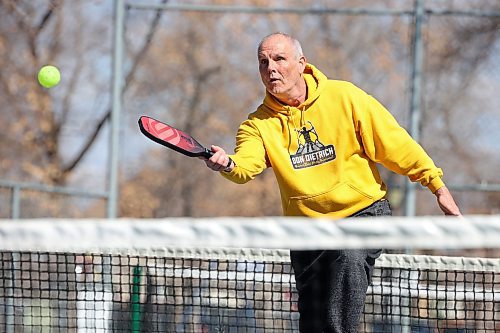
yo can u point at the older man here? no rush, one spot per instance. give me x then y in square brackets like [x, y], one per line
[323, 139]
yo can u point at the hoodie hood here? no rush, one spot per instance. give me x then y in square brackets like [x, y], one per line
[315, 81]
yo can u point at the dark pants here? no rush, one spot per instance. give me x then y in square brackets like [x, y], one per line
[332, 284]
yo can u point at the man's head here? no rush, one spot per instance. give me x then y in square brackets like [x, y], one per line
[281, 64]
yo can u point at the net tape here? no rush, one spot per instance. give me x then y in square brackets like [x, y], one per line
[143, 235]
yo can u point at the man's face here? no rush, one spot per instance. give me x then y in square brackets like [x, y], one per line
[279, 66]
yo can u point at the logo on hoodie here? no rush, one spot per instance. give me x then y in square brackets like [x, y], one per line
[311, 151]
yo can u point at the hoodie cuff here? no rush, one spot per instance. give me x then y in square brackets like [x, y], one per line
[435, 184]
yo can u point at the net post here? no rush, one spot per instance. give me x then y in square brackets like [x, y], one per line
[135, 301]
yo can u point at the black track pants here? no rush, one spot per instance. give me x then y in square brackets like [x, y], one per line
[332, 284]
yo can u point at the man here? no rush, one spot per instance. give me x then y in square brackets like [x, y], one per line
[323, 139]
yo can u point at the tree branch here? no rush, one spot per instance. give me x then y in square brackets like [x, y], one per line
[128, 78]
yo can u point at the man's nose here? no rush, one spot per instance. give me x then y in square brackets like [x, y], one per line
[271, 66]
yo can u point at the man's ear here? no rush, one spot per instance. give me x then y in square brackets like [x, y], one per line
[303, 62]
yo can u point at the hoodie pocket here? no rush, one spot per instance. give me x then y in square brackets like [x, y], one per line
[341, 197]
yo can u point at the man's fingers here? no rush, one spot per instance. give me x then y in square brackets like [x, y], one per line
[219, 160]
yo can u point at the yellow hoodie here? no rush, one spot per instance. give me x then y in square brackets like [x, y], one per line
[324, 152]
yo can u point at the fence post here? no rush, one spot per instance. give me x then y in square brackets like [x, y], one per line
[415, 98]
[114, 145]
[16, 203]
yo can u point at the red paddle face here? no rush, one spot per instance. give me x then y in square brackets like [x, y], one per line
[171, 137]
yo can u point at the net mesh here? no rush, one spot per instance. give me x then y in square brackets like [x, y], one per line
[230, 290]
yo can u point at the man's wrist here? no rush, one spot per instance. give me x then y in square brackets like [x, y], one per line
[440, 191]
[229, 166]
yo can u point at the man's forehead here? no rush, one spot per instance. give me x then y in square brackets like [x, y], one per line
[275, 45]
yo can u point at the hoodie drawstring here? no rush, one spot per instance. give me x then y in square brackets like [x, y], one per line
[302, 117]
[302, 124]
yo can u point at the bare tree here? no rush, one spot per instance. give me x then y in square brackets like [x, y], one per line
[44, 136]
[198, 71]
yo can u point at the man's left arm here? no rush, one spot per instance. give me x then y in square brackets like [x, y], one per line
[386, 142]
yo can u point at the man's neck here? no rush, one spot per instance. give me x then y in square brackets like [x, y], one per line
[296, 97]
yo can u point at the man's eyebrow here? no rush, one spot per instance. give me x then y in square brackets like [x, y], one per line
[280, 54]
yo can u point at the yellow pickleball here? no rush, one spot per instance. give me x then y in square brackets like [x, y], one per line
[49, 76]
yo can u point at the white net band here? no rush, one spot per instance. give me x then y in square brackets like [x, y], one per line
[139, 235]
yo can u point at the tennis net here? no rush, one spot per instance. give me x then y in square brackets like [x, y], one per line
[118, 276]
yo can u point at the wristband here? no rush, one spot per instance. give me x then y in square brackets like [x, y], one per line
[227, 168]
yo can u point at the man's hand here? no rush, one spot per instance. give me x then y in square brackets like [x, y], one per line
[219, 161]
[446, 202]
